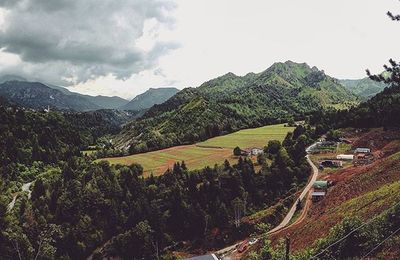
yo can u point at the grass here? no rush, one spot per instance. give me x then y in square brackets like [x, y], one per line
[256, 137]
[207, 153]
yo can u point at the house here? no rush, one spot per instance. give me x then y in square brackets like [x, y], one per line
[251, 151]
[349, 157]
[320, 189]
[256, 151]
[320, 185]
[331, 163]
[317, 195]
[362, 150]
[362, 156]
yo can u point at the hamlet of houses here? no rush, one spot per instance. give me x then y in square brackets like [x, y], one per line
[360, 156]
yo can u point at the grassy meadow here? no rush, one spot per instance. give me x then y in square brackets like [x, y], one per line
[254, 137]
[207, 153]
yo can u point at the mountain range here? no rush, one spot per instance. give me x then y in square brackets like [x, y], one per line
[39, 95]
[149, 98]
[364, 88]
[230, 102]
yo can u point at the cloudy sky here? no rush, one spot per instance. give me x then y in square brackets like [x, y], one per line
[123, 47]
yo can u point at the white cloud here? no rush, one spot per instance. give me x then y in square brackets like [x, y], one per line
[342, 37]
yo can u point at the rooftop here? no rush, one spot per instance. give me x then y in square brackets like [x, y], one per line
[318, 193]
[320, 184]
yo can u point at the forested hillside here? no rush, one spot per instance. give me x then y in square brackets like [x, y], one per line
[228, 103]
[39, 96]
[382, 110]
[365, 88]
[77, 206]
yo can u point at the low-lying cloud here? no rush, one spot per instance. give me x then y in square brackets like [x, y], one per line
[71, 41]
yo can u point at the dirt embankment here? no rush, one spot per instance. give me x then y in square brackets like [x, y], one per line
[350, 183]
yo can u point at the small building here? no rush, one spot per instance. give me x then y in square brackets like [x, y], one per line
[362, 150]
[320, 185]
[252, 151]
[331, 163]
[317, 195]
[363, 158]
[346, 157]
[256, 151]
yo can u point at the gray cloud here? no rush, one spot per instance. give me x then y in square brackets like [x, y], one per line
[80, 40]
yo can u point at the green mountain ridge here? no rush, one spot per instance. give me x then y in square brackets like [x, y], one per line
[231, 102]
[365, 88]
[149, 98]
[23, 92]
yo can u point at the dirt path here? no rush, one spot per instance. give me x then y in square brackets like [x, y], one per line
[25, 188]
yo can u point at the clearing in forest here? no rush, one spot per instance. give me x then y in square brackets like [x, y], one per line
[208, 153]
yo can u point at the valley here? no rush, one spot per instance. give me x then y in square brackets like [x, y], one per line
[207, 153]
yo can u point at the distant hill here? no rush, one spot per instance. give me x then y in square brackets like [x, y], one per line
[8, 77]
[365, 88]
[39, 96]
[26, 95]
[231, 102]
[149, 98]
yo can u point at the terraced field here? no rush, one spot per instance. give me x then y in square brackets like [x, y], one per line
[207, 153]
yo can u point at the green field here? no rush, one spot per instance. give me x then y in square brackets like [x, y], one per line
[255, 137]
[208, 153]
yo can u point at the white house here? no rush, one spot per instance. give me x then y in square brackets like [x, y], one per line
[256, 151]
[349, 157]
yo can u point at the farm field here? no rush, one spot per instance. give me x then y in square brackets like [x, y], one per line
[207, 153]
[255, 137]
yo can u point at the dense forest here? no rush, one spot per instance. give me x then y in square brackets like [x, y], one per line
[284, 91]
[77, 206]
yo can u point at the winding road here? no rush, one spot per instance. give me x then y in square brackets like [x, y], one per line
[225, 252]
[291, 212]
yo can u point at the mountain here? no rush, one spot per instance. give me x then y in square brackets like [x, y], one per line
[104, 102]
[230, 102]
[39, 96]
[8, 77]
[149, 98]
[382, 110]
[364, 88]
[22, 92]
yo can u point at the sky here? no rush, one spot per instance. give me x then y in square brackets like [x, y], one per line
[124, 47]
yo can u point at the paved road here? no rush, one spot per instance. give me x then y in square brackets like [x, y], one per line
[225, 252]
[291, 212]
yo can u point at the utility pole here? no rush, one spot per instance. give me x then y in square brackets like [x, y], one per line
[287, 254]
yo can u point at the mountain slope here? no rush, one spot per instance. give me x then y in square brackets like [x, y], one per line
[104, 102]
[39, 96]
[149, 98]
[365, 88]
[231, 102]
[94, 102]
